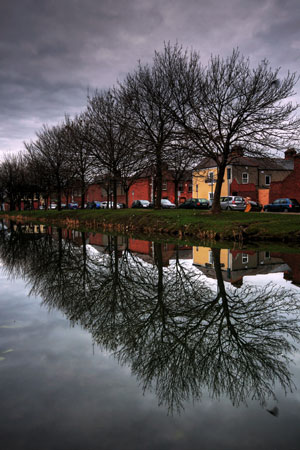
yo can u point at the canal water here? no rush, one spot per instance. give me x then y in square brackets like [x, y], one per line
[118, 343]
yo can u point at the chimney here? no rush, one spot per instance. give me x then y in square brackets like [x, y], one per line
[290, 153]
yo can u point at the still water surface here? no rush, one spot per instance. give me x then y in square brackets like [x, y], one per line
[118, 343]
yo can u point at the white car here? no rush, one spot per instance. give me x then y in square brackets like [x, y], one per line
[165, 203]
[103, 205]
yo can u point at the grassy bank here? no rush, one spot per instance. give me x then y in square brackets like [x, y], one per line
[235, 226]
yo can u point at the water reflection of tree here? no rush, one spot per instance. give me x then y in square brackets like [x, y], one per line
[177, 333]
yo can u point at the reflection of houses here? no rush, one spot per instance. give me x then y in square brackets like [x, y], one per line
[104, 243]
[259, 178]
[236, 264]
[293, 262]
[145, 250]
[30, 228]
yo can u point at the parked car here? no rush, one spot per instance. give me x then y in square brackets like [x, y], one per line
[93, 205]
[53, 206]
[255, 206]
[232, 203]
[73, 205]
[283, 205]
[166, 204]
[195, 203]
[141, 204]
[103, 205]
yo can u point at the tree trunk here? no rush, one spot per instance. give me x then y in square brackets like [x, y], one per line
[126, 197]
[216, 207]
[82, 195]
[115, 195]
[158, 179]
[176, 183]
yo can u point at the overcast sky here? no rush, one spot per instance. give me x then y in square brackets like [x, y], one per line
[53, 51]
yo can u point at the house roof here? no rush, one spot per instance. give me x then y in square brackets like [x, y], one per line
[250, 161]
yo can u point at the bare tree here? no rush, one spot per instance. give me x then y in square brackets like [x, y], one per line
[113, 145]
[146, 94]
[13, 179]
[51, 151]
[227, 103]
[79, 152]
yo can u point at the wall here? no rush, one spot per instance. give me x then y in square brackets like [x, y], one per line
[263, 196]
[290, 186]
[204, 189]
[244, 190]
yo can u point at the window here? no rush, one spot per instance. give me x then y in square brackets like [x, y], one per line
[211, 195]
[229, 174]
[197, 188]
[268, 180]
[244, 258]
[245, 178]
[164, 185]
[190, 188]
[267, 255]
[180, 187]
[210, 177]
[210, 257]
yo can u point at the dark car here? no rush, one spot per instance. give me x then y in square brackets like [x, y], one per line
[255, 206]
[283, 205]
[195, 203]
[93, 205]
[73, 205]
[141, 204]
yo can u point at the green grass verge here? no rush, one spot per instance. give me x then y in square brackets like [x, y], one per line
[190, 223]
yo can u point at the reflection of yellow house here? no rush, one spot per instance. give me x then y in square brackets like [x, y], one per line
[235, 264]
[204, 182]
[202, 256]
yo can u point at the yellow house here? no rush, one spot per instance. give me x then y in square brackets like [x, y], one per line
[246, 176]
[204, 182]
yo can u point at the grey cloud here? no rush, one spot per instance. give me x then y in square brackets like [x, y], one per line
[51, 52]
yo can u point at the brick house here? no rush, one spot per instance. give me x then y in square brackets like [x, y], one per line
[262, 179]
[142, 189]
[290, 186]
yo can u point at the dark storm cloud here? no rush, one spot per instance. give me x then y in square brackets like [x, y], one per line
[51, 52]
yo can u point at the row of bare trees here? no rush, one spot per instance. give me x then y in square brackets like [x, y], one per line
[175, 112]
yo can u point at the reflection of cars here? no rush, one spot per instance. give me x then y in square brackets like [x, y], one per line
[255, 206]
[141, 204]
[73, 205]
[195, 203]
[283, 205]
[165, 203]
[233, 203]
